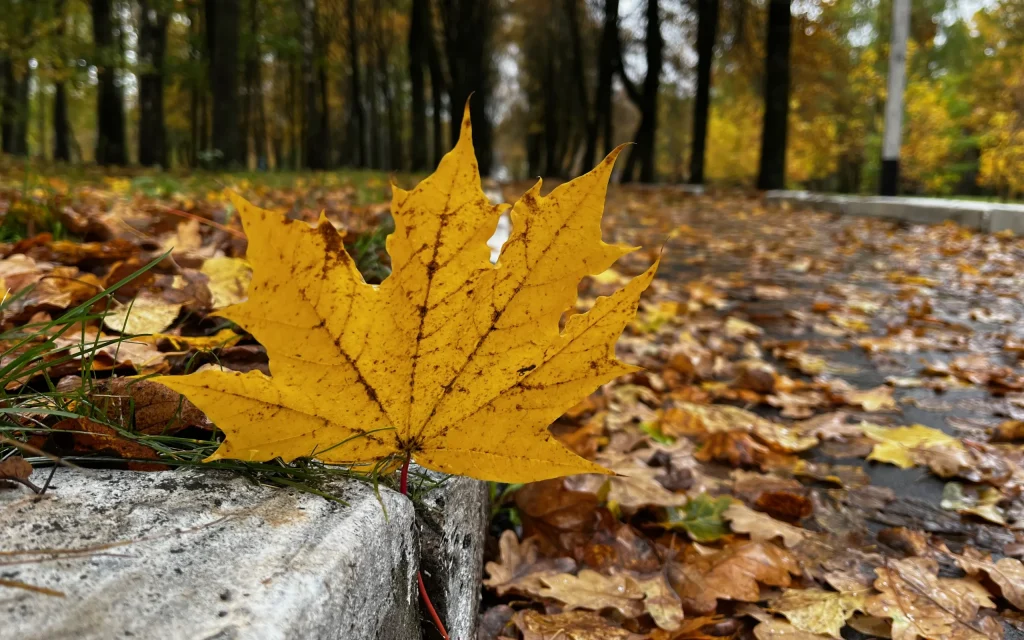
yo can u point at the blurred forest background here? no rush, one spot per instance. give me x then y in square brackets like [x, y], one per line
[325, 84]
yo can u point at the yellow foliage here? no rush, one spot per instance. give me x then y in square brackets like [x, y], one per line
[734, 133]
[453, 361]
[929, 132]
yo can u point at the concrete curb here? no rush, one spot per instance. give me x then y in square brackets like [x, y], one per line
[989, 217]
[207, 554]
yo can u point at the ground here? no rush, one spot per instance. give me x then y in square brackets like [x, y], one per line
[827, 333]
[825, 438]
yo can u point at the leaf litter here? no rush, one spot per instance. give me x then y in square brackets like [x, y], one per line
[788, 361]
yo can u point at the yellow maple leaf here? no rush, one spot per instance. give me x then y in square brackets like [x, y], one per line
[451, 360]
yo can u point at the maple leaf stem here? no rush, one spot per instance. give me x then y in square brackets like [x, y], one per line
[403, 487]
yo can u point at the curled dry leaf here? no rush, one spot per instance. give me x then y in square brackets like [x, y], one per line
[15, 468]
[229, 280]
[760, 526]
[704, 576]
[1008, 573]
[817, 611]
[662, 602]
[922, 605]
[520, 569]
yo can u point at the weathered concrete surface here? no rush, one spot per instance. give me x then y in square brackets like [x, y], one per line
[204, 554]
[982, 216]
[452, 521]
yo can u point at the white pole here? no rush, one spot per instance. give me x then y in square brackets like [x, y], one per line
[890, 178]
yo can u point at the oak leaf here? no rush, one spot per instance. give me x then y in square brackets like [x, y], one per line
[451, 360]
[571, 625]
[520, 568]
[921, 604]
[818, 611]
[592, 590]
[733, 573]
[775, 629]
[1008, 573]
[761, 526]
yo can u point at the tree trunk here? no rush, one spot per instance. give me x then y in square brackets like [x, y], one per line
[468, 27]
[572, 10]
[437, 86]
[642, 156]
[223, 20]
[707, 25]
[110, 133]
[605, 73]
[772, 173]
[417, 58]
[315, 144]
[61, 128]
[372, 84]
[254, 77]
[892, 135]
[152, 45]
[9, 123]
[357, 115]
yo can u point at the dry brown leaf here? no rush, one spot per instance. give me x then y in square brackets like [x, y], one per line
[149, 407]
[662, 602]
[15, 468]
[761, 526]
[147, 313]
[923, 605]
[775, 629]
[695, 419]
[595, 591]
[817, 611]
[1008, 573]
[520, 569]
[733, 573]
[571, 625]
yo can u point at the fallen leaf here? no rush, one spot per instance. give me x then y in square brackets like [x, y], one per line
[592, 590]
[1008, 573]
[520, 569]
[817, 611]
[15, 468]
[734, 573]
[781, 630]
[694, 419]
[896, 445]
[229, 280]
[571, 625]
[760, 526]
[451, 360]
[146, 314]
[701, 517]
[662, 602]
[923, 605]
[872, 400]
[983, 503]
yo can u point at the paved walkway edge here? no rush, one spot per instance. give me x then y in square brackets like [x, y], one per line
[980, 216]
[207, 554]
